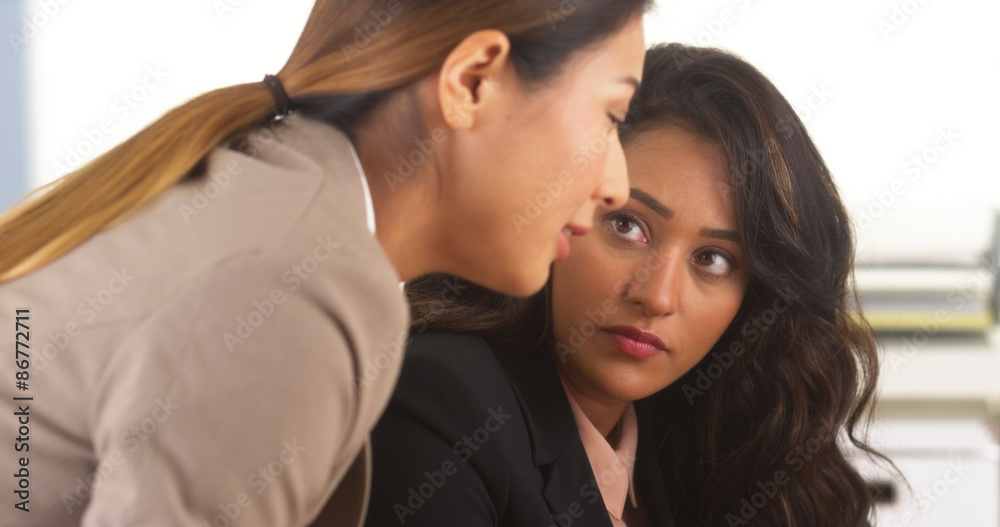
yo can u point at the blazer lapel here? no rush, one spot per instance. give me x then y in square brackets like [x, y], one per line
[652, 489]
[569, 486]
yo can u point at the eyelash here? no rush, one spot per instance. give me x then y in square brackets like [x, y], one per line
[619, 215]
[622, 215]
[614, 120]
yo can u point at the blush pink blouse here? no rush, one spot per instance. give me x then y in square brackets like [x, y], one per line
[612, 466]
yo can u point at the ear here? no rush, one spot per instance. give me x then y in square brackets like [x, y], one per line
[464, 81]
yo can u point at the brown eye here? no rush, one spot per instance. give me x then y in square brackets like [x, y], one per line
[716, 264]
[626, 226]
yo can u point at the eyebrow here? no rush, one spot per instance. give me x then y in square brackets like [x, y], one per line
[646, 199]
[721, 234]
[643, 197]
[630, 80]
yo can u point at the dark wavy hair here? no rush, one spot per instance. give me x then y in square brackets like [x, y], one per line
[756, 433]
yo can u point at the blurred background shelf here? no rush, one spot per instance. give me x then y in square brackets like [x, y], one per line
[962, 368]
[927, 282]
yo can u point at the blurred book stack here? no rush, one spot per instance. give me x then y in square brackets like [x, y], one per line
[932, 270]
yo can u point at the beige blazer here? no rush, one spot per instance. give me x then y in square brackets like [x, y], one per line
[218, 358]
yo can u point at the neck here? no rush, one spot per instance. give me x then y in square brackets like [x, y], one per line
[404, 208]
[400, 217]
[603, 412]
[405, 197]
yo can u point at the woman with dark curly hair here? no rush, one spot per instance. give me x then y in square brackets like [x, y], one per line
[693, 362]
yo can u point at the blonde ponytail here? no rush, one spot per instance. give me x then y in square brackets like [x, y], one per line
[113, 186]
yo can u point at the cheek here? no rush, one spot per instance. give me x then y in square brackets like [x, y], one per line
[584, 149]
[564, 296]
[571, 188]
[582, 281]
[591, 153]
[713, 318]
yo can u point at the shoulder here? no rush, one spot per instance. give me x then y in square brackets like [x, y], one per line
[452, 385]
[453, 370]
[453, 403]
[452, 351]
[289, 202]
[282, 179]
[282, 210]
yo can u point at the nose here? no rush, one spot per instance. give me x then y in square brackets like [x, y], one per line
[613, 190]
[656, 285]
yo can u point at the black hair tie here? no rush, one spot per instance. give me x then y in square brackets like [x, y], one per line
[282, 104]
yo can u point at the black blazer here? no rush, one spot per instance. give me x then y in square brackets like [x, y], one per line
[474, 437]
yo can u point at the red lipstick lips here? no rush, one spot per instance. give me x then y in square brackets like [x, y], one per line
[636, 342]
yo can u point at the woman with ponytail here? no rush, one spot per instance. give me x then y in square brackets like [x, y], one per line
[208, 316]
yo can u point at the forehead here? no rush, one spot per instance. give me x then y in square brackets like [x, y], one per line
[681, 169]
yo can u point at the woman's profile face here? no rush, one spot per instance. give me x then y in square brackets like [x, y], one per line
[542, 158]
[647, 294]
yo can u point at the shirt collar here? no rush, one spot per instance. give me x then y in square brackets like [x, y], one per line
[369, 208]
[612, 467]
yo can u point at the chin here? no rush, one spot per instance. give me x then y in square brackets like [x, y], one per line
[508, 276]
[523, 284]
[630, 388]
[627, 393]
